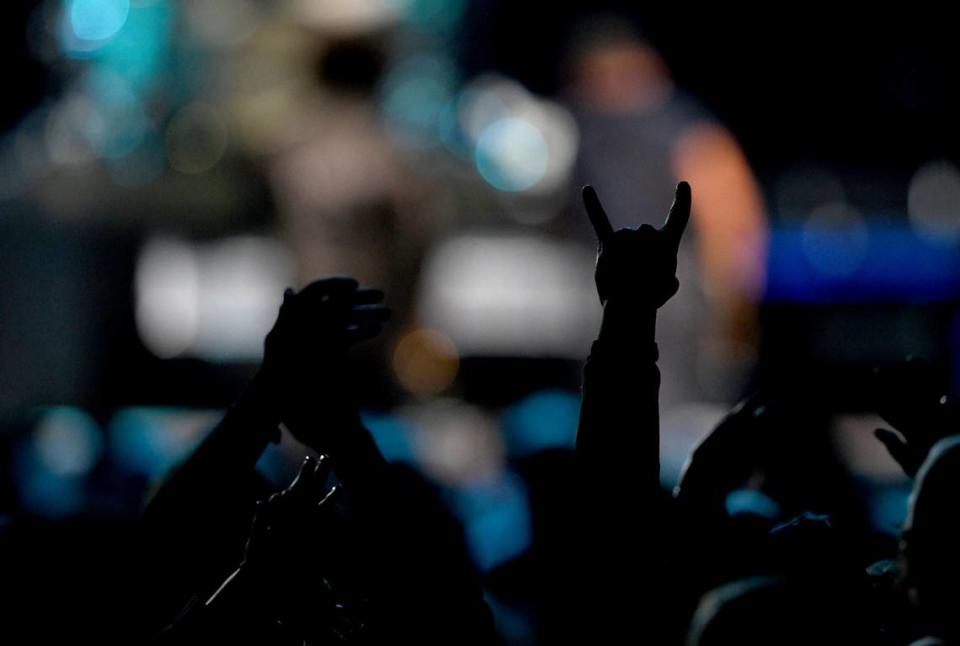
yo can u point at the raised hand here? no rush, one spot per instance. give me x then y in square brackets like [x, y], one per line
[324, 318]
[283, 526]
[288, 573]
[908, 397]
[295, 555]
[726, 457]
[305, 353]
[638, 265]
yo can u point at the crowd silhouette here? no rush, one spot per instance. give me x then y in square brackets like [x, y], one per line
[762, 541]
[357, 550]
[735, 424]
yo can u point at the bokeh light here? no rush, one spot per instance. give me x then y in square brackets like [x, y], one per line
[75, 130]
[439, 16]
[544, 420]
[68, 441]
[196, 139]
[425, 362]
[496, 519]
[933, 201]
[512, 155]
[215, 301]
[97, 20]
[457, 443]
[348, 16]
[150, 441]
[521, 143]
[415, 96]
[751, 502]
[54, 466]
[511, 295]
[167, 307]
[222, 23]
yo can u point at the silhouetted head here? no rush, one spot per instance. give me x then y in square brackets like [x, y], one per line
[930, 544]
[766, 610]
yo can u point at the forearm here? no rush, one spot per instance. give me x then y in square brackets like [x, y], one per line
[618, 437]
[236, 612]
[238, 441]
[618, 454]
[229, 452]
[197, 521]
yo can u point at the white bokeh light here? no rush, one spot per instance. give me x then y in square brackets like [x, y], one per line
[933, 201]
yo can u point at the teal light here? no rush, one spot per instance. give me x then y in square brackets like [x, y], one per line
[141, 51]
[137, 46]
[512, 155]
[97, 20]
[416, 93]
[437, 16]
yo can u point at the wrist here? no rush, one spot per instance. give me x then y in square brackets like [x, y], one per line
[259, 405]
[628, 319]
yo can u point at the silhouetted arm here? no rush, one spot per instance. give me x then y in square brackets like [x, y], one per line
[618, 437]
[197, 521]
[225, 460]
[317, 401]
[278, 593]
[623, 529]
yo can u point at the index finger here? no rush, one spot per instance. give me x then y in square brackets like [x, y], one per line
[679, 215]
[598, 217]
